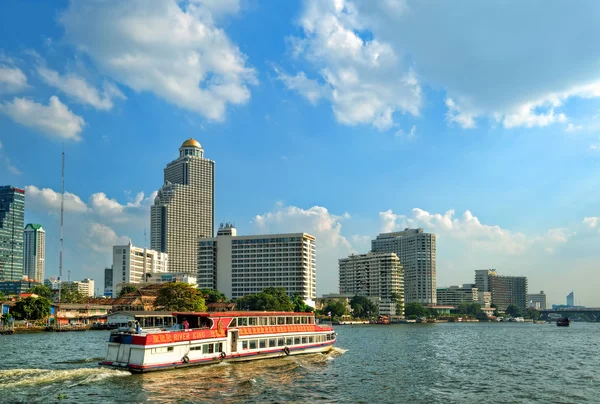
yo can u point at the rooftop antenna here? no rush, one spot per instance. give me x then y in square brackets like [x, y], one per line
[62, 211]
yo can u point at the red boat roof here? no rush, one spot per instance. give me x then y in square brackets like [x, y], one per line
[243, 313]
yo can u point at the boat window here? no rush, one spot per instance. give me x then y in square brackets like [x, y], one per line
[196, 348]
[296, 320]
[311, 320]
[243, 321]
[304, 340]
[205, 349]
[289, 320]
[304, 320]
[280, 342]
[211, 348]
[272, 320]
[311, 339]
[233, 323]
[296, 340]
[264, 321]
[272, 343]
[253, 344]
[219, 347]
[252, 321]
[288, 341]
[262, 343]
[244, 344]
[280, 320]
[170, 349]
[328, 337]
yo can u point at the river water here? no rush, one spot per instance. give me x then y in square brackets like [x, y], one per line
[417, 363]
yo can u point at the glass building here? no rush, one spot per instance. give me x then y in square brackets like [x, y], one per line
[12, 220]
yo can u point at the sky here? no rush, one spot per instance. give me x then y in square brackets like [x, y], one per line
[479, 122]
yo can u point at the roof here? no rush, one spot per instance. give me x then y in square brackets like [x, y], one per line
[34, 226]
[142, 313]
[243, 313]
[191, 143]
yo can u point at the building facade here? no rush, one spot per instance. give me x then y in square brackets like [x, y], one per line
[12, 218]
[34, 252]
[108, 279]
[85, 287]
[455, 295]
[505, 290]
[131, 264]
[482, 279]
[242, 265]
[571, 300]
[537, 300]
[373, 275]
[417, 252]
[183, 209]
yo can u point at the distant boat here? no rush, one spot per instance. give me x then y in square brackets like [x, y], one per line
[563, 322]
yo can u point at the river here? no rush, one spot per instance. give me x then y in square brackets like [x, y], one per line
[416, 363]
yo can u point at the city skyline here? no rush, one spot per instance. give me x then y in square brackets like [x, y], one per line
[499, 160]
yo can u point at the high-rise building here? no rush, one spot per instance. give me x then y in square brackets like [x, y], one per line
[108, 280]
[455, 295]
[537, 300]
[34, 252]
[505, 290]
[183, 209]
[12, 218]
[85, 287]
[131, 264]
[242, 265]
[373, 275]
[416, 251]
[570, 300]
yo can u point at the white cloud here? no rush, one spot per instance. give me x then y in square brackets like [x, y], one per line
[591, 221]
[573, 128]
[102, 238]
[78, 88]
[9, 166]
[172, 49]
[100, 203]
[55, 119]
[47, 199]
[365, 80]
[456, 115]
[12, 80]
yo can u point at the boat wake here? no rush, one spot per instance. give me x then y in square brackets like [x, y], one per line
[39, 377]
[336, 352]
[79, 361]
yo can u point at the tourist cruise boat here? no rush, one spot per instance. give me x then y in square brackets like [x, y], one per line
[207, 338]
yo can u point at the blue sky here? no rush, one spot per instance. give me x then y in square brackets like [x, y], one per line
[342, 119]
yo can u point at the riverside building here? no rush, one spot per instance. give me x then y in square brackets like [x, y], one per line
[417, 252]
[85, 287]
[373, 275]
[537, 300]
[505, 290]
[455, 295]
[12, 217]
[242, 265]
[131, 264]
[34, 252]
[183, 209]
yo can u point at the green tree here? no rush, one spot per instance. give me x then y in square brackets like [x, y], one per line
[41, 290]
[300, 306]
[469, 309]
[514, 310]
[3, 297]
[32, 308]
[363, 307]
[72, 295]
[270, 299]
[213, 296]
[336, 307]
[496, 312]
[481, 316]
[415, 310]
[532, 313]
[127, 289]
[177, 296]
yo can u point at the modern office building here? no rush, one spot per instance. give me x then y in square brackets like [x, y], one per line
[34, 252]
[17, 287]
[12, 218]
[241, 265]
[505, 290]
[537, 300]
[455, 295]
[570, 300]
[108, 277]
[183, 209]
[373, 275]
[417, 252]
[85, 287]
[131, 264]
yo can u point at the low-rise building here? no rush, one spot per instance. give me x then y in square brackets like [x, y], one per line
[455, 295]
[83, 314]
[537, 300]
[17, 287]
[85, 287]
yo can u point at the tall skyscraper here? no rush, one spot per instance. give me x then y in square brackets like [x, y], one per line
[183, 209]
[12, 220]
[34, 251]
[241, 265]
[570, 300]
[416, 251]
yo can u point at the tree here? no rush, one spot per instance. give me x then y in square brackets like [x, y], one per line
[213, 296]
[270, 299]
[397, 298]
[481, 316]
[532, 313]
[2, 296]
[41, 290]
[469, 309]
[32, 308]
[127, 289]
[514, 310]
[363, 307]
[178, 296]
[337, 308]
[72, 295]
[415, 310]
[300, 306]
[496, 312]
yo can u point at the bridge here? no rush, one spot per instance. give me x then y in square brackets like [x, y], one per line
[591, 314]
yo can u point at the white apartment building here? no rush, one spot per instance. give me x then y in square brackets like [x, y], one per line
[183, 209]
[85, 287]
[373, 275]
[34, 252]
[417, 253]
[455, 295]
[131, 264]
[242, 265]
[172, 277]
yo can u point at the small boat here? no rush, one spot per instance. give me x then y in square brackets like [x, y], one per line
[563, 322]
[216, 337]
